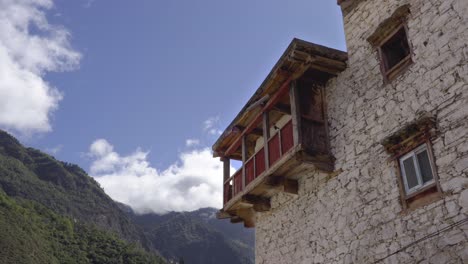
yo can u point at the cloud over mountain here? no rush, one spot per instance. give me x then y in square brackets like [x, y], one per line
[29, 48]
[195, 181]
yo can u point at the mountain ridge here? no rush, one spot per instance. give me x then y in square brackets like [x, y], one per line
[65, 191]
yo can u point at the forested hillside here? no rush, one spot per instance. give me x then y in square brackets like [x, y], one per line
[198, 237]
[32, 233]
[53, 212]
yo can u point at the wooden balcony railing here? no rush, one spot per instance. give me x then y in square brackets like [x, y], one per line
[278, 145]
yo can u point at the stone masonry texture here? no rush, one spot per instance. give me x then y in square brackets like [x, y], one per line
[357, 216]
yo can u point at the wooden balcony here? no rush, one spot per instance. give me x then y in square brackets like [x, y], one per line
[251, 186]
[280, 134]
[279, 146]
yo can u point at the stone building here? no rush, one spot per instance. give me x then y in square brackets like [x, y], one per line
[359, 157]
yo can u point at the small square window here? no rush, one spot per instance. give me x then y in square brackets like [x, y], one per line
[395, 53]
[411, 151]
[417, 170]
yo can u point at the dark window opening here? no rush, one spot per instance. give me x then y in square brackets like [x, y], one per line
[396, 49]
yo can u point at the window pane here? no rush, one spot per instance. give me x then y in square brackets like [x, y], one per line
[425, 166]
[410, 172]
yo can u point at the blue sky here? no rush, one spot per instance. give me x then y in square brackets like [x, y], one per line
[153, 74]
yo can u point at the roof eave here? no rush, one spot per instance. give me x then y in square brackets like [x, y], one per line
[287, 55]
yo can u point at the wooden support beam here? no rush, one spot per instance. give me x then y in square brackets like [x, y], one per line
[260, 204]
[282, 108]
[240, 129]
[273, 100]
[259, 102]
[248, 215]
[244, 159]
[291, 186]
[226, 168]
[295, 113]
[285, 185]
[266, 136]
[223, 215]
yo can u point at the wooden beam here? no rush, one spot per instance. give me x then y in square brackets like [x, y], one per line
[260, 204]
[291, 186]
[295, 113]
[286, 185]
[223, 215]
[248, 215]
[244, 159]
[328, 70]
[226, 168]
[282, 108]
[266, 136]
[259, 102]
[240, 129]
[273, 100]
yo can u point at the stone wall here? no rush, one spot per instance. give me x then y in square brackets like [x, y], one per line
[356, 216]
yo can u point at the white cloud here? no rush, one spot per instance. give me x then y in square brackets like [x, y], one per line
[29, 48]
[191, 142]
[211, 126]
[88, 3]
[55, 150]
[194, 182]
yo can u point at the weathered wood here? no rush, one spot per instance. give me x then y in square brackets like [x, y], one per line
[292, 64]
[295, 112]
[286, 185]
[244, 159]
[266, 136]
[282, 108]
[222, 215]
[226, 168]
[325, 120]
[389, 25]
[240, 129]
[260, 204]
[291, 186]
[314, 136]
[322, 162]
[274, 99]
[248, 215]
[258, 103]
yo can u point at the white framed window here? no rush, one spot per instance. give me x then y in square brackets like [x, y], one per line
[417, 169]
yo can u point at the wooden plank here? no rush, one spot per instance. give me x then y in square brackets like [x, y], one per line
[325, 118]
[295, 113]
[266, 136]
[248, 215]
[258, 103]
[244, 159]
[260, 204]
[226, 168]
[284, 184]
[288, 158]
[222, 215]
[240, 129]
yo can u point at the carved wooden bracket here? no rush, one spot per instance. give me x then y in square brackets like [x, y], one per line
[410, 136]
[389, 25]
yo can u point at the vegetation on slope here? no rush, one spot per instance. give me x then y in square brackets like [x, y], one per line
[32, 233]
[198, 237]
[53, 212]
[64, 188]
